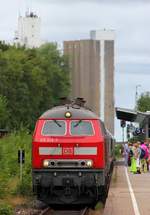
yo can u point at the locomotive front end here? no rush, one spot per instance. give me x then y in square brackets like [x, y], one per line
[68, 157]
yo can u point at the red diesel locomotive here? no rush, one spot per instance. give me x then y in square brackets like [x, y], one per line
[72, 157]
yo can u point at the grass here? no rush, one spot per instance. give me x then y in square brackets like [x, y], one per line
[12, 191]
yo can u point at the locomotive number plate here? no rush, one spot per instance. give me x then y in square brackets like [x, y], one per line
[68, 151]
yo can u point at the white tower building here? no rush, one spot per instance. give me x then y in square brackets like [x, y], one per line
[28, 33]
[106, 38]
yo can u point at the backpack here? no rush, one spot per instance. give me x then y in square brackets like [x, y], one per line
[129, 160]
[130, 153]
[142, 154]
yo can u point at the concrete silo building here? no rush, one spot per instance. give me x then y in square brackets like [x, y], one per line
[29, 29]
[92, 73]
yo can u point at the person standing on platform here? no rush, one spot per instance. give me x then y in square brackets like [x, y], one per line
[147, 143]
[149, 157]
[130, 156]
[144, 157]
[133, 167]
[137, 154]
[126, 154]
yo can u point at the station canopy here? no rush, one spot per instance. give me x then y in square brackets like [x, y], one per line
[131, 115]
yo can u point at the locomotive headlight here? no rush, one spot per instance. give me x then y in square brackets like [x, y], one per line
[68, 114]
[45, 163]
[89, 163]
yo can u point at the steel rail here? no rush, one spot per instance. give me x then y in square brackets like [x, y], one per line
[46, 211]
[85, 211]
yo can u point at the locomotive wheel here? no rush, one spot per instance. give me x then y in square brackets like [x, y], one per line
[103, 198]
[105, 190]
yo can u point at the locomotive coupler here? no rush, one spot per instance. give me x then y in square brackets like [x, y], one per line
[67, 191]
[67, 182]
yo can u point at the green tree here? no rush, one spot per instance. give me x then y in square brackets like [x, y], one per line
[3, 46]
[56, 69]
[4, 114]
[143, 103]
[32, 81]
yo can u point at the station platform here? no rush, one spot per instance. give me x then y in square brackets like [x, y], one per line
[129, 193]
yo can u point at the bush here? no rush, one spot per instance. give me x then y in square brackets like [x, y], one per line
[10, 176]
[5, 209]
[118, 150]
[3, 185]
[24, 188]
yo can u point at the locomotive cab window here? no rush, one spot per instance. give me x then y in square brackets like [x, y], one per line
[81, 128]
[54, 128]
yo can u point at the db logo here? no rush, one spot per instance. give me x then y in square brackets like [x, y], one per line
[68, 151]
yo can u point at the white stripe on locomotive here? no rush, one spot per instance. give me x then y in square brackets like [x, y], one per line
[50, 151]
[85, 151]
[58, 151]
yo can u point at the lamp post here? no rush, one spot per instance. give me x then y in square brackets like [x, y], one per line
[136, 95]
[123, 125]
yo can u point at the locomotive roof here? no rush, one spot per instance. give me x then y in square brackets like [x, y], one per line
[76, 112]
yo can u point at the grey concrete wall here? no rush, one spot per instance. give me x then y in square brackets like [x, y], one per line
[84, 65]
[84, 60]
[109, 85]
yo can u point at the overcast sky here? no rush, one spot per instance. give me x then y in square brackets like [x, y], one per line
[73, 19]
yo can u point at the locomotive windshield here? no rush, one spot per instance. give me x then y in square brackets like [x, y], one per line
[54, 128]
[59, 128]
[81, 128]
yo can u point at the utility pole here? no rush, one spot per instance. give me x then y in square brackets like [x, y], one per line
[136, 95]
[147, 128]
[21, 166]
[123, 134]
[21, 160]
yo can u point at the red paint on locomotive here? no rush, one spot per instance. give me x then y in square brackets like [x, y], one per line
[71, 166]
[68, 141]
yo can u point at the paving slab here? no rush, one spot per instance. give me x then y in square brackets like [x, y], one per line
[141, 187]
[119, 199]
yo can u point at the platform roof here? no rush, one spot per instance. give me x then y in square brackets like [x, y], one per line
[131, 115]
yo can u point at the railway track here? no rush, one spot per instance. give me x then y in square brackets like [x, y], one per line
[49, 211]
[46, 211]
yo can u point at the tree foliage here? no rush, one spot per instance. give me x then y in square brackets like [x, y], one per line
[4, 114]
[32, 80]
[143, 102]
